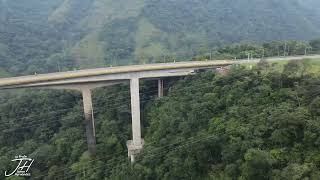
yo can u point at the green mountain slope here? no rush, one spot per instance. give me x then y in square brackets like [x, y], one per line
[92, 33]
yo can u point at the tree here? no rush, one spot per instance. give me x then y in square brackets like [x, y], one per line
[315, 44]
[313, 89]
[263, 65]
[257, 165]
[293, 68]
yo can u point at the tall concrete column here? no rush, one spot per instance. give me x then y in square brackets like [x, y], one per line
[135, 111]
[135, 145]
[160, 88]
[89, 120]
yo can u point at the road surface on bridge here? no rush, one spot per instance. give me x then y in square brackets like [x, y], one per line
[282, 58]
[14, 81]
[4, 82]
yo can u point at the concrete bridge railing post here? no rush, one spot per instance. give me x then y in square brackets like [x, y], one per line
[89, 120]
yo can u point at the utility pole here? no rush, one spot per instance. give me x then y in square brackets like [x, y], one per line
[285, 48]
[305, 51]
[59, 69]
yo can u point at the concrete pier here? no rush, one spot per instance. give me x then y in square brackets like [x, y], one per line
[136, 144]
[89, 121]
[135, 110]
[160, 88]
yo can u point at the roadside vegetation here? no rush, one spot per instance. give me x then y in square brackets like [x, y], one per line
[264, 50]
[310, 66]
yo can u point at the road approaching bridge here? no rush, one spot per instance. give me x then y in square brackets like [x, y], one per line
[86, 80]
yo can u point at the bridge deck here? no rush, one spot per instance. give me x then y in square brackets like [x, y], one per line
[110, 70]
[39, 78]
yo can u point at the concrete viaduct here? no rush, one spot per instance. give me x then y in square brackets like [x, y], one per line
[86, 80]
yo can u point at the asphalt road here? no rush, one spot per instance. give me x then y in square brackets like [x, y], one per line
[286, 58]
[137, 68]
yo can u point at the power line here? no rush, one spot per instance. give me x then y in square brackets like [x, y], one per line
[144, 152]
[126, 159]
[110, 106]
[141, 155]
[110, 96]
[197, 88]
[126, 100]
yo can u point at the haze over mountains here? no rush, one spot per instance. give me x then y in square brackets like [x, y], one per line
[92, 33]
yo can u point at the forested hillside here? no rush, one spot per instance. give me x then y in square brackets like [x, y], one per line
[261, 124]
[58, 35]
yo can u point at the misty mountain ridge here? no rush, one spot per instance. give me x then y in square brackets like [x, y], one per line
[93, 33]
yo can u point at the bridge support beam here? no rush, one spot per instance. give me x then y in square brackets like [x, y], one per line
[89, 120]
[136, 144]
[160, 88]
